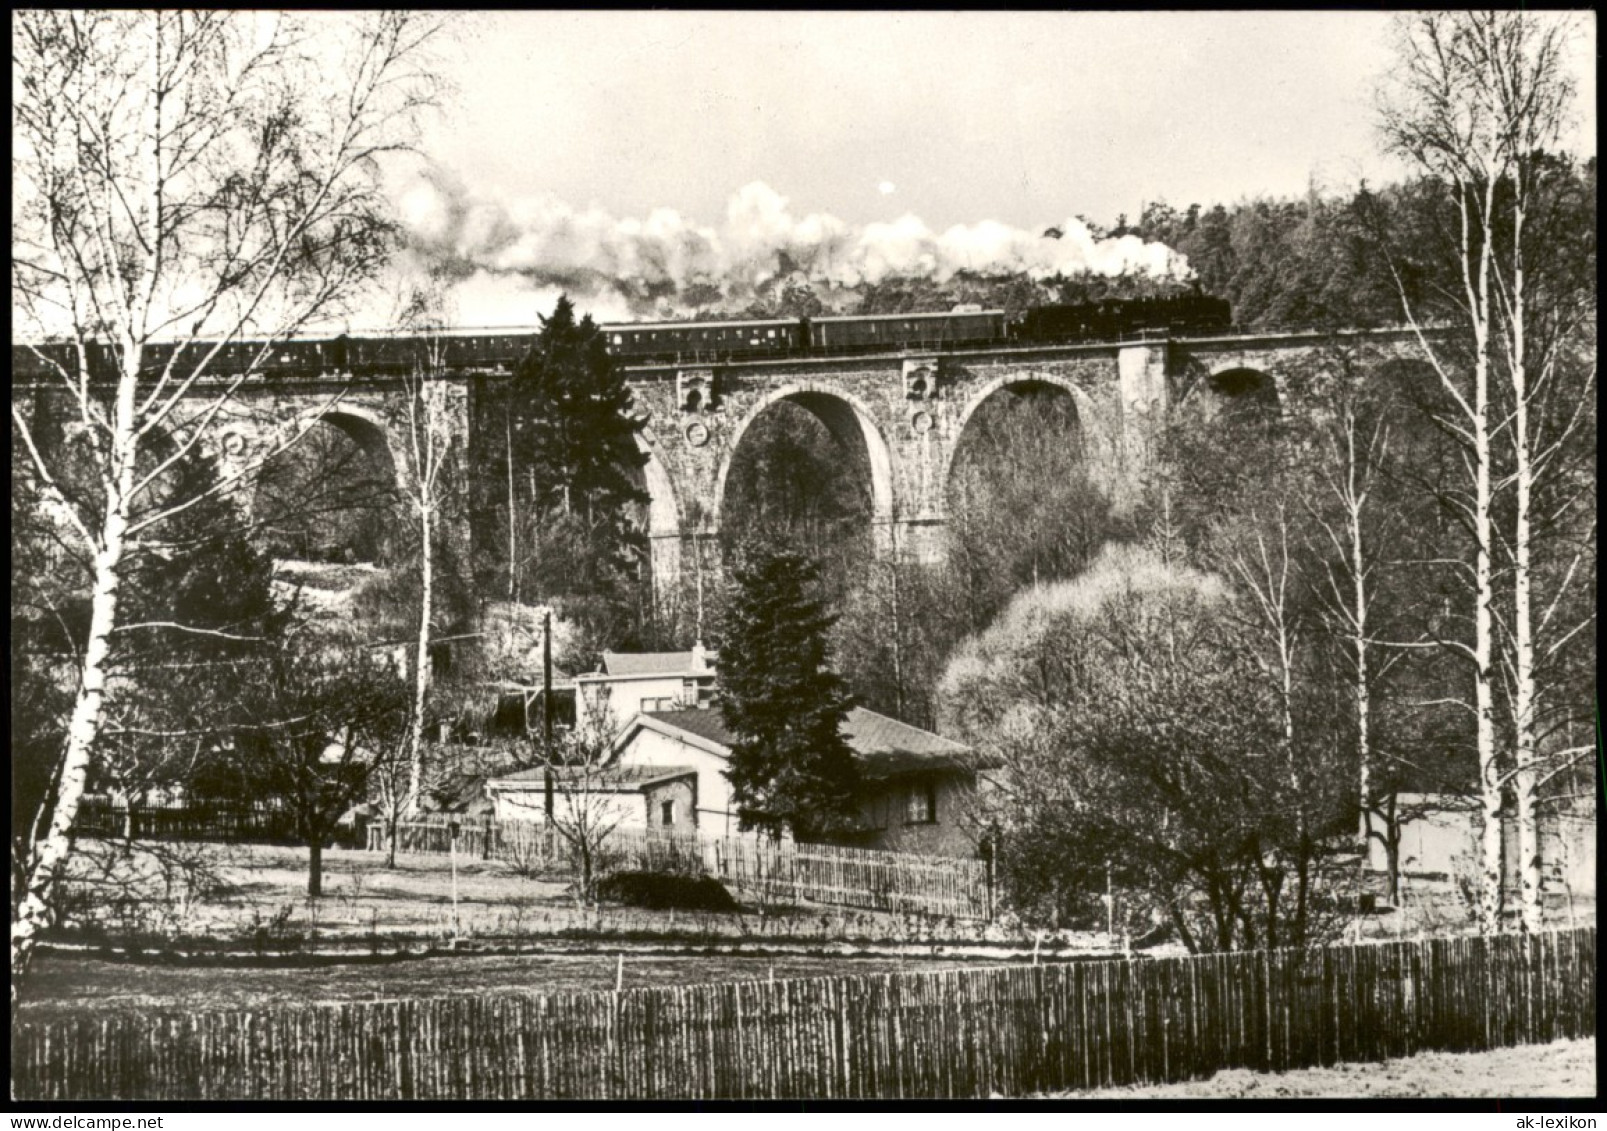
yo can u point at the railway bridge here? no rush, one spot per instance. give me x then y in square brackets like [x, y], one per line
[901, 415]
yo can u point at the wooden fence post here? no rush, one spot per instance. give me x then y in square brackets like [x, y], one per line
[987, 856]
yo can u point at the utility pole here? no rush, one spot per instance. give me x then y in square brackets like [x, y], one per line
[513, 551]
[546, 709]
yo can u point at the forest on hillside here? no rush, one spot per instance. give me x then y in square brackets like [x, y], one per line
[1329, 259]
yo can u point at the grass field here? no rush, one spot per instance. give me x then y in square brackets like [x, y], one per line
[62, 984]
[1563, 1068]
[254, 898]
[227, 927]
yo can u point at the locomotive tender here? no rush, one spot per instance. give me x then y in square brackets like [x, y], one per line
[678, 342]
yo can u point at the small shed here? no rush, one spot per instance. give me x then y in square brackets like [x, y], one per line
[637, 797]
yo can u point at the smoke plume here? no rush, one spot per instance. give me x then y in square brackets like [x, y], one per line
[515, 256]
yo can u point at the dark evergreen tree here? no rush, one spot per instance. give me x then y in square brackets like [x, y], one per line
[576, 484]
[201, 615]
[202, 588]
[791, 767]
[575, 432]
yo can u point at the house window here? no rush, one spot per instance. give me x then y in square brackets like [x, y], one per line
[667, 813]
[659, 704]
[920, 804]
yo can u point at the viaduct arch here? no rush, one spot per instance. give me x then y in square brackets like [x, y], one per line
[852, 426]
[255, 424]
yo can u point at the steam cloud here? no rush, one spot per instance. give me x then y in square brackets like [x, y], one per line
[507, 258]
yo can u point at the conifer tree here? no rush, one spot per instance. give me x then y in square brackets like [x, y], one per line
[202, 614]
[203, 589]
[790, 768]
[577, 437]
[576, 466]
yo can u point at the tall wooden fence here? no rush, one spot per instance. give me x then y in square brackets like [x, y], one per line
[849, 877]
[954, 1033]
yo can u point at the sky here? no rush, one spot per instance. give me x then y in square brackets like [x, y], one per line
[616, 150]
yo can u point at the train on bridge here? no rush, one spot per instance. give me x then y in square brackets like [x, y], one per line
[1110, 320]
[692, 342]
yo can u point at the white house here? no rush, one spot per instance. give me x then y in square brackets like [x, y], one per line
[918, 786]
[1440, 839]
[629, 682]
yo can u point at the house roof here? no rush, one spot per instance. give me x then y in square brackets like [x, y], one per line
[656, 663]
[616, 779]
[707, 723]
[883, 746]
[886, 747]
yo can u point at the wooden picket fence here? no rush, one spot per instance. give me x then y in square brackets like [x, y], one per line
[941, 1034]
[242, 824]
[850, 877]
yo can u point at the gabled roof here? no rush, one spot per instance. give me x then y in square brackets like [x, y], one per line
[708, 724]
[883, 747]
[886, 747]
[656, 663]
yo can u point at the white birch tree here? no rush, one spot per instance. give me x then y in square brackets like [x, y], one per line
[1437, 118]
[429, 442]
[1354, 521]
[1475, 100]
[202, 178]
[1522, 63]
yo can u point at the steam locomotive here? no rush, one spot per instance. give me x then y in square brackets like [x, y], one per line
[671, 342]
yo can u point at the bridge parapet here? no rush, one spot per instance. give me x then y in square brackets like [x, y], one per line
[900, 416]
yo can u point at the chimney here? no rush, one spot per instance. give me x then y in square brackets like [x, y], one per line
[700, 662]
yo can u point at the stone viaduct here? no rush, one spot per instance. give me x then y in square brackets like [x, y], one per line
[905, 412]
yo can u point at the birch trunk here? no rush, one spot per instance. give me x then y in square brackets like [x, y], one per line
[1491, 863]
[421, 665]
[48, 854]
[1353, 498]
[1525, 776]
[513, 546]
[429, 440]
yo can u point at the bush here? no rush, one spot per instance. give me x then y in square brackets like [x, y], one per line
[658, 892]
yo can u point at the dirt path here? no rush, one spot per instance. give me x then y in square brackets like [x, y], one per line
[1563, 1068]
